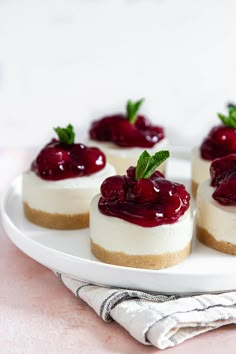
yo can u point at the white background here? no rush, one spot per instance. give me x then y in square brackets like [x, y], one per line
[75, 60]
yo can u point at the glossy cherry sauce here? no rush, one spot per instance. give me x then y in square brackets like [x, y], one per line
[58, 161]
[146, 202]
[221, 141]
[223, 178]
[120, 131]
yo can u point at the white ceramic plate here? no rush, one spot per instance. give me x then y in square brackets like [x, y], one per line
[205, 270]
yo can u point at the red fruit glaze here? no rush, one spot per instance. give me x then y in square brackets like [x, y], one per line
[221, 141]
[145, 202]
[223, 178]
[120, 131]
[58, 161]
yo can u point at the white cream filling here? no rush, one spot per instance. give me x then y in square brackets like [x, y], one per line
[217, 219]
[122, 158]
[67, 196]
[117, 235]
[200, 167]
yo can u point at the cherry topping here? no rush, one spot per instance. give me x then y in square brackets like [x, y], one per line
[222, 167]
[146, 202]
[58, 161]
[145, 190]
[223, 178]
[113, 188]
[118, 129]
[225, 193]
[220, 142]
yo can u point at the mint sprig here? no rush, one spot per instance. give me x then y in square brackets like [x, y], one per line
[230, 120]
[147, 164]
[66, 135]
[132, 109]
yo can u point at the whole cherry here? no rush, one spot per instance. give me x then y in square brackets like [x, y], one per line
[221, 139]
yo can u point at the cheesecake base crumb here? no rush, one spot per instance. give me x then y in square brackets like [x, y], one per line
[209, 240]
[194, 187]
[56, 221]
[151, 261]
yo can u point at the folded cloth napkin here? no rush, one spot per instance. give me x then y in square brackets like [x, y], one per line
[160, 320]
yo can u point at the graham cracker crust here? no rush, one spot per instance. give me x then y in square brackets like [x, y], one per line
[194, 187]
[137, 261]
[56, 221]
[207, 239]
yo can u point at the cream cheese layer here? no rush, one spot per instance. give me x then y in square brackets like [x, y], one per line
[200, 167]
[217, 219]
[122, 158]
[117, 235]
[67, 196]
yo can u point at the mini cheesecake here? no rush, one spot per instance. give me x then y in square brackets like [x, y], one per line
[216, 206]
[220, 142]
[141, 222]
[123, 137]
[200, 170]
[61, 182]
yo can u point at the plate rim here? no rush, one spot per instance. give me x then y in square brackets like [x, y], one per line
[10, 227]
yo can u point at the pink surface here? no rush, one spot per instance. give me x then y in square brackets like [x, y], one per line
[39, 315]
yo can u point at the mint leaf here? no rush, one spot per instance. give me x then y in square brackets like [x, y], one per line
[142, 164]
[222, 118]
[233, 113]
[66, 135]
[155, 161]
[132, 110]
[230, 120]
[147, 164]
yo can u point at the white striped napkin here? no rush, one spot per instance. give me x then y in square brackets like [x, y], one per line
[160, 320]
